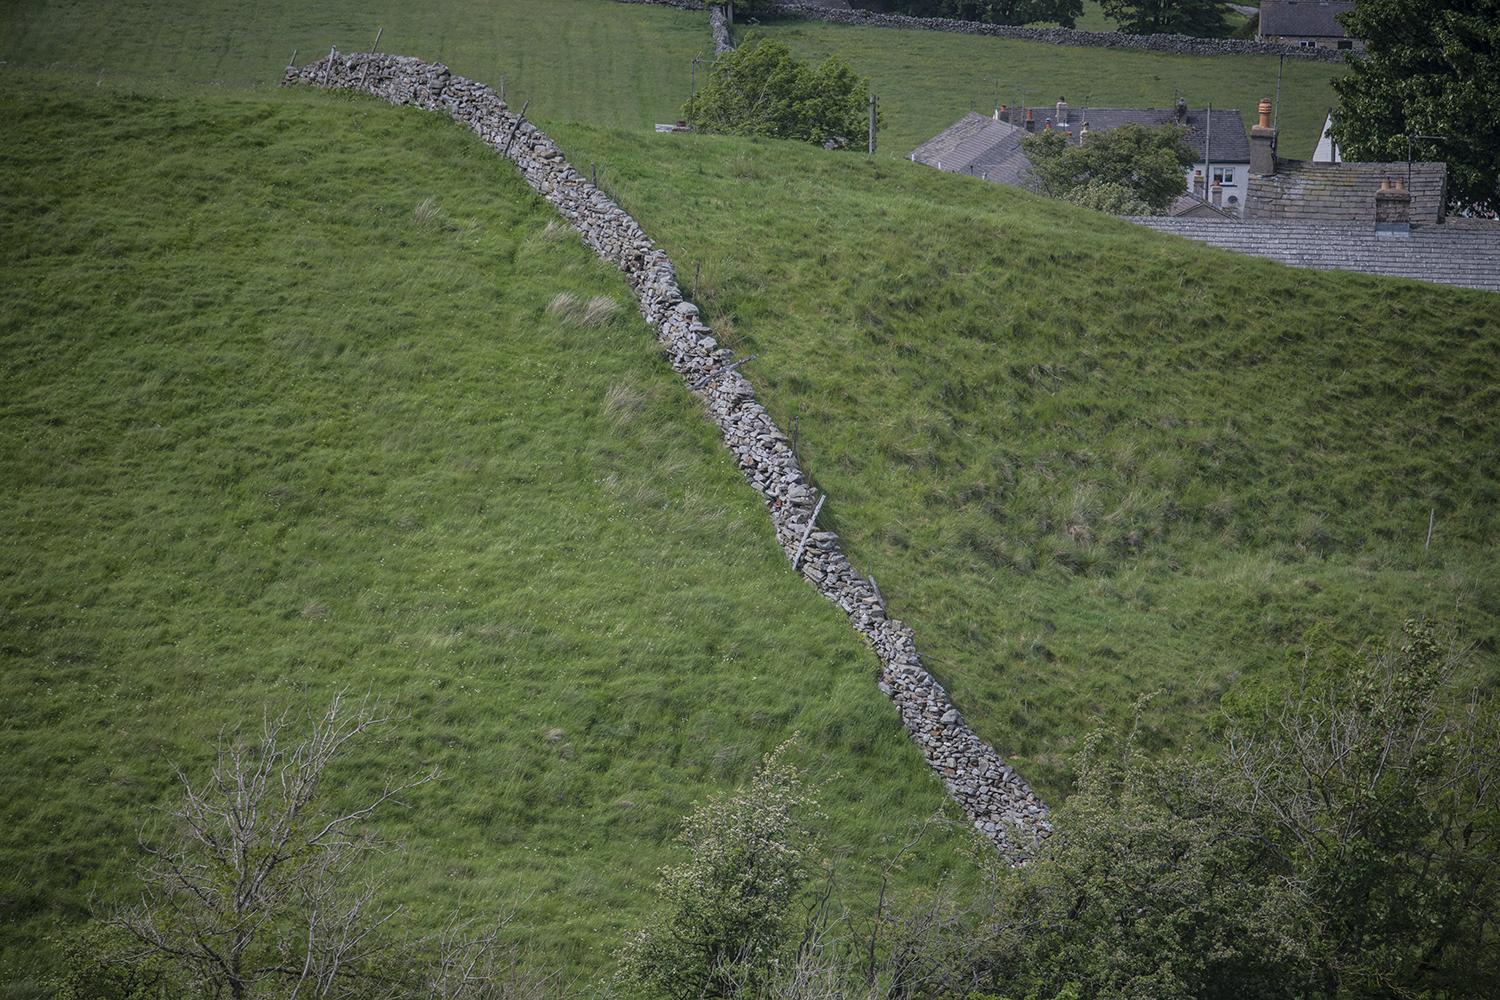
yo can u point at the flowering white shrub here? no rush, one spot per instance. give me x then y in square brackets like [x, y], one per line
[728, 911]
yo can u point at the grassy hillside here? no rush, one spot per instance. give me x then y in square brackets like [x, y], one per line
[1086, 461]
[284, 409]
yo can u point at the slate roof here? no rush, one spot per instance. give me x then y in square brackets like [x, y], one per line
[1191, 206]
[973, 140]
[1462, 252]
[983, 147]
[1291, 19]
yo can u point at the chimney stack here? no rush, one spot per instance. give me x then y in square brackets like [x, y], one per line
[1003, 115]
[1083, 134]
[1062, 111]
[1392, 208]
[1263, 143]
[1199, 188]
[1030, 122]
[1181, 111]
[1218, 195]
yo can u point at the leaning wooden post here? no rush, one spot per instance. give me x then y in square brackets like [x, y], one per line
[365, 71]
[328, 73]
[513, 129]
[808, 533]
[872, 124]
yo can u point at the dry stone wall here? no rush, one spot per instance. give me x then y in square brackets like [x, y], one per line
[997, 800]
[718, 21]
[1183, 45]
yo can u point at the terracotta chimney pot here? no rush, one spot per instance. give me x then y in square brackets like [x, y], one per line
[1265, 112]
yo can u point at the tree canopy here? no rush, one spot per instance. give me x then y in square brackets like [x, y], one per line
[761, 90]
[1128, 170]
[1063, 12]
[1432, 69]
[1200, 18]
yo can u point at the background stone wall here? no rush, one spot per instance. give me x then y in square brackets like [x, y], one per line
[1178, 44]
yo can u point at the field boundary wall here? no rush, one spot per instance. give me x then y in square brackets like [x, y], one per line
[1182, 45]
[996, 799]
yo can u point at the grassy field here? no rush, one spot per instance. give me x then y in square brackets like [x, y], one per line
[1086, 462]
[628, 65]
[927, 80]
[269, 430]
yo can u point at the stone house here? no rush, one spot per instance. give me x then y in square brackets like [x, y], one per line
[1306, 25]
[990, 146]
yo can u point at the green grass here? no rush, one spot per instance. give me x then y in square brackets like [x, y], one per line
[269, 430]
[285, 409]
[1087, 461]
[628, 65]
[927, 80]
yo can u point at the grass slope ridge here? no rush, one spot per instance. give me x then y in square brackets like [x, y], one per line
[285, 410]
[1087, 461]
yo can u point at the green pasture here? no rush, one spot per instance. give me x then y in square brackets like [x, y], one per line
[629, 65]
[1089, 462]
[927, 80]
[285, 408]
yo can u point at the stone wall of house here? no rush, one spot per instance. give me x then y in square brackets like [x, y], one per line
[1342, 193]
[997, 800]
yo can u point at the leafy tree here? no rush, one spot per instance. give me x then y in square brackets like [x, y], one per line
[1141, 893]
[754, 8]
[1199, 18]
[1127, 170]
[1341, 840]
[730, 908]
[1432, 68]
[1377, 795]
[1063, 12]
[761, 90]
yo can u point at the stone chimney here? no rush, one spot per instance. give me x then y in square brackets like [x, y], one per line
[1263, 143]
[1003, 115]
[1199, 185]
[1218, 196]
[1392, 208]
[1062, 111]
[1181, 111]
[1083, 134]
[1030, 122]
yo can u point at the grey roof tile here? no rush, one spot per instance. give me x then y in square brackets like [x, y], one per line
[983, 147]
[1460, 252]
